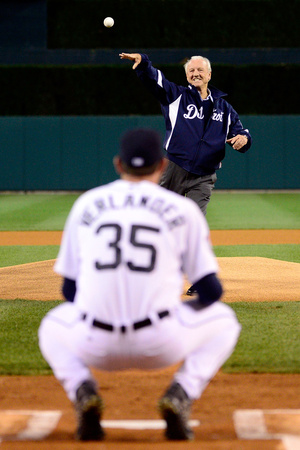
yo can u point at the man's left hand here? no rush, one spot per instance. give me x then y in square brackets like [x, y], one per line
[238, 141]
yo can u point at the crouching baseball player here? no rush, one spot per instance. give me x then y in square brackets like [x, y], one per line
[124, 251]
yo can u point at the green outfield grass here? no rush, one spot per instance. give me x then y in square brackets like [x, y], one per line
[225, 211]
[34, 211]
[269, 340]
[253, 211]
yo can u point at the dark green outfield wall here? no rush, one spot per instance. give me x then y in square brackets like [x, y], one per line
[75, 153]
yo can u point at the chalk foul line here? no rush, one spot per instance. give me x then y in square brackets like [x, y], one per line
[141, 424]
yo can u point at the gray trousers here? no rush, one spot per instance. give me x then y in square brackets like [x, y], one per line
[196, 187]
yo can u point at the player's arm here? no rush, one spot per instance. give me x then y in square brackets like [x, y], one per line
[69, 289]
[164, 90]
[66, 263]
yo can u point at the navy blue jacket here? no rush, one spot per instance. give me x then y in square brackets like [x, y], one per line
[189, 144]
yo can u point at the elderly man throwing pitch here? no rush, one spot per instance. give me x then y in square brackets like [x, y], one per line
[198, 124]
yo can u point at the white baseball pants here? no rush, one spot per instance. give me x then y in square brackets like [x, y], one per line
[202, 339]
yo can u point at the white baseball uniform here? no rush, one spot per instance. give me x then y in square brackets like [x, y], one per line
[128, 246]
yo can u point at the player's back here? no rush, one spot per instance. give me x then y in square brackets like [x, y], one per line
[131, 238]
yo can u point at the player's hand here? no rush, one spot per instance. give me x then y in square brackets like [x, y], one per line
[238, 141]
[136, 57]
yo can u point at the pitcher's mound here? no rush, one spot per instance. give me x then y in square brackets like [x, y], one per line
[259, 279]
[33, 281]
[248, 279]
[244, 279]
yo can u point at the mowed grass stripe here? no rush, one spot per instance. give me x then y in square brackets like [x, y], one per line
[225, 211]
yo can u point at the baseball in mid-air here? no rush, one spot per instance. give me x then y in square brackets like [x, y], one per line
[108, 22]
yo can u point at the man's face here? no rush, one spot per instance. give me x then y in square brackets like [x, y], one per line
[197, 73]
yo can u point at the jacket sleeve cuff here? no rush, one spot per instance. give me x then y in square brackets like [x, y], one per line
[145, 62]
[248, 145]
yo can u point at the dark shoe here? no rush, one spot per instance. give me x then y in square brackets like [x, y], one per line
[191, 291]
[89, 407]
[175, 408]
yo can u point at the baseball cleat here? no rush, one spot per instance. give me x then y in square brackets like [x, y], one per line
[191, 291]
[89, 407]
[175, 407]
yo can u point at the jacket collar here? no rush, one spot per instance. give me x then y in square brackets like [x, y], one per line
[215, 92]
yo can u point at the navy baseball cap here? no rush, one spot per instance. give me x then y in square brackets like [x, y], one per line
[141, 147]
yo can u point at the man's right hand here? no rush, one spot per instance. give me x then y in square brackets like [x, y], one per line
[136, 57]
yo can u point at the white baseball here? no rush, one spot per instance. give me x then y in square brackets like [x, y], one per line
[108, 22]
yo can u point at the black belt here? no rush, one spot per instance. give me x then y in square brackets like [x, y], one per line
[136, 325]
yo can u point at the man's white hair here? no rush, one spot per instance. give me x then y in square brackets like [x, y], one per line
[197, 57]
